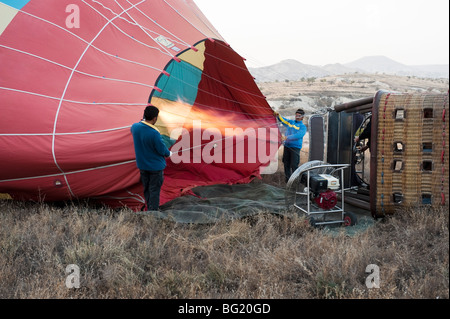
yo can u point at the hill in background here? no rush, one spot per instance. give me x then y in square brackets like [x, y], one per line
[317, 95]
[293, 70]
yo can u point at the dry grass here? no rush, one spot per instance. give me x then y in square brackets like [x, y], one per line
[125, 255]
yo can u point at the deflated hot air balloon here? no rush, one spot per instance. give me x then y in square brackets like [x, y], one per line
[75, 75]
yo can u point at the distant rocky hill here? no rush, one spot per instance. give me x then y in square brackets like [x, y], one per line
[323, 94]
[294, 70]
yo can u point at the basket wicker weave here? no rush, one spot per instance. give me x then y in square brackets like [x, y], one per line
[410, 163]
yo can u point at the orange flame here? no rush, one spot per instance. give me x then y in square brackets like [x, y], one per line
[174, 116]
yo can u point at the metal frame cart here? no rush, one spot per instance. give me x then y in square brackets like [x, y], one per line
[314, 206]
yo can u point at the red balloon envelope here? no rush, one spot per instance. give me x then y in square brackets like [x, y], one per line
[75, 75]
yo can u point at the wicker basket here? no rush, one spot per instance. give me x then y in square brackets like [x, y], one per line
[410, 159]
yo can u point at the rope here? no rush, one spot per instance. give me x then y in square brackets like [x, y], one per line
[126, 34]
[152, 20]
[215, 95]
[382, 159]
[162, 46]
[68, 173]
[444, 175]
[135, 24]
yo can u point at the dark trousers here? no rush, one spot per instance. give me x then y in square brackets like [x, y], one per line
[291, 159]
[152, 181]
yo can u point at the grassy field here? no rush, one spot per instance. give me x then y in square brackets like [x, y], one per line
[121, 254]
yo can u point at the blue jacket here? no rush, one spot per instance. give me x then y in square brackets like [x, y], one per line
[294, 133]
[150, 150]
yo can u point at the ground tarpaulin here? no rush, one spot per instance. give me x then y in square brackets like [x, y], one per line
[224, 202]
[214, 203]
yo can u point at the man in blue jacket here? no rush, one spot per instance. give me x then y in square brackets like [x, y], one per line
[151, 155]
[293, 141]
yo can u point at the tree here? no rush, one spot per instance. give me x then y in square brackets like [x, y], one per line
[311, 81]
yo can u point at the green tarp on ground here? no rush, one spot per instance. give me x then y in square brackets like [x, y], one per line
[224, 202]
[227, 202]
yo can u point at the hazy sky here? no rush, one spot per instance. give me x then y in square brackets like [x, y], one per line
[319, 32]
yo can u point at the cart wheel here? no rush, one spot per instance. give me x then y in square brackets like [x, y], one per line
[349, 219]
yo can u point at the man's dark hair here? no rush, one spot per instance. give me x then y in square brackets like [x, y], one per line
[150, 112]
[300, 111]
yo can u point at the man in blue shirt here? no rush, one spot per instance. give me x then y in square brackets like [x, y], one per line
[151, 155]
[293, 141]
